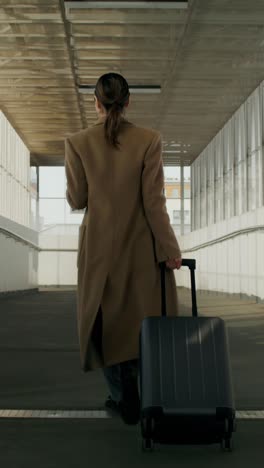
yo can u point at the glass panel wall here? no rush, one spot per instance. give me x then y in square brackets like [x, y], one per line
[228, 176]
[187, 200]
[178, 195]
[14, 175]
[53, 207]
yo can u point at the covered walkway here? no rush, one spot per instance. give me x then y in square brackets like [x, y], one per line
[65, 424]
[195, 71]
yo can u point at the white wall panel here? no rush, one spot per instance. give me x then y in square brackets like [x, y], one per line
[58, 268]
[14, 175]
[18, 262]
[234, 265]
[232, 169]
[21, 265]
[234, 159]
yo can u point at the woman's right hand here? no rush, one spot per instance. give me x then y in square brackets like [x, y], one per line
[174, 263]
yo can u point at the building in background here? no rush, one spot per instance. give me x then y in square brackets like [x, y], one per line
[174, 195]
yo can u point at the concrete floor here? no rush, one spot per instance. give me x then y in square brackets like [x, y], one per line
[40, 369]
[103, 444]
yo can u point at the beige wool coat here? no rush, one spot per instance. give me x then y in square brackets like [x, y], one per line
[125, 232]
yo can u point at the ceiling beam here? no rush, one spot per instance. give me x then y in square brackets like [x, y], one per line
[172, 4]
[72, 62]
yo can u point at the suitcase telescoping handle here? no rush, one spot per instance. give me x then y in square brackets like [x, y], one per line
[191, 263]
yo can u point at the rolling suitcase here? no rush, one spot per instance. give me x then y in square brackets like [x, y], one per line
[185, 378]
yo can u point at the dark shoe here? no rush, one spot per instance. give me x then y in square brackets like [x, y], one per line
[112, 406]
[129, 414]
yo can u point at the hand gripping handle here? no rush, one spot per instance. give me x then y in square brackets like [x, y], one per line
[191, 263]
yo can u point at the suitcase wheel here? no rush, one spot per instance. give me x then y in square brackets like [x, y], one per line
[147, 445]
[229, 427]
[148, 426]
[227, 444]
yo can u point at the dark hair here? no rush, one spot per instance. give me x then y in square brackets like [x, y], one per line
[113, 92]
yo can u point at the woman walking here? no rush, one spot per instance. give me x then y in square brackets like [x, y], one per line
[114, 170]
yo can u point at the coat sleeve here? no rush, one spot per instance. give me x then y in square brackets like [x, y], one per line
[154, 200]
[77, 187]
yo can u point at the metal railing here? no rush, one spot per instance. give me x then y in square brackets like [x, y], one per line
[19, 238]
[231, 235]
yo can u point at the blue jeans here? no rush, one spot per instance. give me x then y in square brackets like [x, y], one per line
[113, 376]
